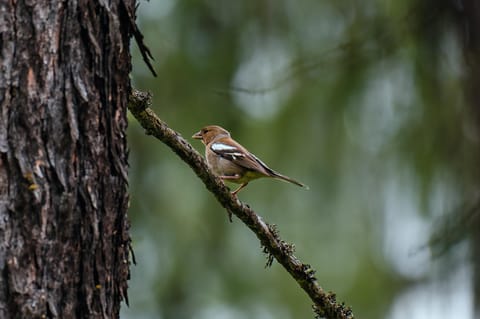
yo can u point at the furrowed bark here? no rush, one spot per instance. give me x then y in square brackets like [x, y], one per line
[64, 85]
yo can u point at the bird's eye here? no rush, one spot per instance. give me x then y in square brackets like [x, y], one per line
[204, 131]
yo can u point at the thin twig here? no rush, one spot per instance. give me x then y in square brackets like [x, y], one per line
[325, 304]
[144, 50]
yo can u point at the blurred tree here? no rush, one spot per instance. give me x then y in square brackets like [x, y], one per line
[64, 84]
[434, 20]
[373, 104]
[466, 15]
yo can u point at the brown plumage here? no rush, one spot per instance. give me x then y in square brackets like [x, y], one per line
[233, 162]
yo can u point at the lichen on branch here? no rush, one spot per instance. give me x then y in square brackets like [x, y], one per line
[325, 304]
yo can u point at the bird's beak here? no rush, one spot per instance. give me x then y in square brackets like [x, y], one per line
[197, 136]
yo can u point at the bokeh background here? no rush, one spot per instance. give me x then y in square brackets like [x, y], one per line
[364, 101]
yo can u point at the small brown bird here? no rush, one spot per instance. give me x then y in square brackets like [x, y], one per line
[233, 162]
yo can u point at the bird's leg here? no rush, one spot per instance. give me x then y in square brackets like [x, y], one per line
[235, 192]
[232, 178]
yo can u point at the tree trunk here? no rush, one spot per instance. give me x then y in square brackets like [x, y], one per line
[64, 84]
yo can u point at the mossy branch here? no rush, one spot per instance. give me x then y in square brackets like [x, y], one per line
[325, 304]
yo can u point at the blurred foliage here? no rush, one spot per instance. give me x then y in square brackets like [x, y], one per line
[362, 101]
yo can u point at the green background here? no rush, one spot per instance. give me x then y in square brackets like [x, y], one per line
[361, 100]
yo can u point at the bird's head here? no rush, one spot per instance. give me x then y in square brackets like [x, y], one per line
[209, 133]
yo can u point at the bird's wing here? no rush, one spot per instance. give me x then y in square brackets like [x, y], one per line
[238, 155]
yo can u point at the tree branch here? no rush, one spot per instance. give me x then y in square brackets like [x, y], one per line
[325, 304]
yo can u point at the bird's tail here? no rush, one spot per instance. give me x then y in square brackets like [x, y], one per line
[289, 179]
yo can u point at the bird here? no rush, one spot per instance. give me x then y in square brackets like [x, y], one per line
[232, 162]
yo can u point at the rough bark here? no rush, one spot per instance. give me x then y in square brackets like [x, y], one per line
[64, 243]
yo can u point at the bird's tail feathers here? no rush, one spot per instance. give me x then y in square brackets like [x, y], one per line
[289, 179]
